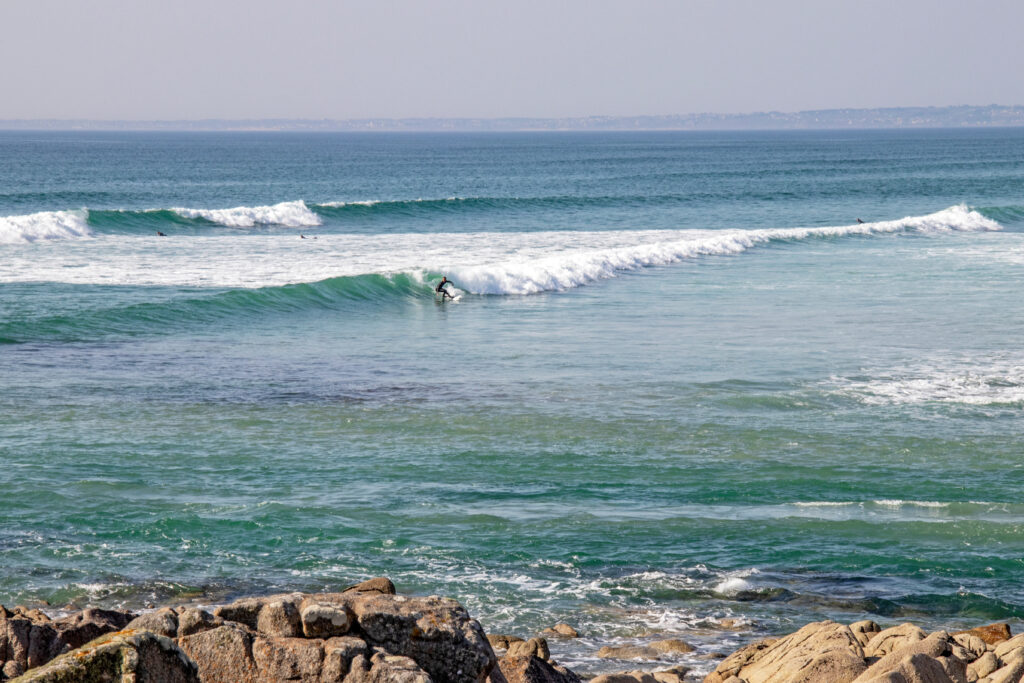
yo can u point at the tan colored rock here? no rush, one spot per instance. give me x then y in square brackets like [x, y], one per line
[937, 644]
[1007, 646]
[1012, 672]
[280, 618]
[626, 677]
[739, 659]
[386, 669]
[865, 630]
[530, 670]
[892, 639]
[120, 657]
[288, 659]
[222, 654]
[435, 632]
[534, 647]
[501, 641]
[628, 652]
[245, 611]
[338, 655]
[982, 666]
[993, 634]
[819, 651]
[192, 620]
[163, 622]
[673, 675]
[971, 645]
[380, 584]
[325, 621]
[562, 629]
[672, 646]
[954, 667]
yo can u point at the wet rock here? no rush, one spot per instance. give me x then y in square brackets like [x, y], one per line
[530, 669]
[626, 677]
[288, 659]
[673, 675]
[672, 646]
[628, 652]
[325, 621]
[163, 622]
[892, 639]
[992, 634]
[502, 642]
[534, 647]
[562, 629]
[386, 669]
[380, 584]
[135, 656]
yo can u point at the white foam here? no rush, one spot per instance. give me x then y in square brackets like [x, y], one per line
[45, 225]
[479, 263]
[981, 381]
[288, 214]
[896, 503]
[367, 202]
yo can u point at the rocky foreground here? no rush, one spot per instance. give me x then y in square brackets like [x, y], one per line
[829, 652]
[368, 634]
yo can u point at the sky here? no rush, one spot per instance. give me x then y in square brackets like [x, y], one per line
[345, 59]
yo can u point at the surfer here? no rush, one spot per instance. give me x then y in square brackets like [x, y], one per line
[441, 289]
[160, 234]
[859, 220]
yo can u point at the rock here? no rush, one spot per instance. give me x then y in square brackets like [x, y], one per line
[534, 647]
[1012, 672]
[865, 630]
[562, 629]
[386, 669]
[917, 668]
[338, 656]
[628, 652]
[937, 644]
[954, 667]
[531, 670]
[192, 620]
[738, 660]
[626, 677]
[325, 621]
[378, 585]
[29, 638]
[222, 654]
[992, 634]
[288, 659]
[502, 642]
[982, 666]
[280, 618]
[892, 639]
[672, 646]
[163, 622]
[435, 632]
[78, 629]
[1007, 646]
[820, 651]
[125, 656]
[673, 675]
[245, 611]
[971, 646]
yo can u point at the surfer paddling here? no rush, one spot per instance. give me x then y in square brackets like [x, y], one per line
[440, 289]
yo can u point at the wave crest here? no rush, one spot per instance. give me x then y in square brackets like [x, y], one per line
[288, 214]
[45, 225]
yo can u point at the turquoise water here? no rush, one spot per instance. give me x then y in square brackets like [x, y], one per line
[682, 384]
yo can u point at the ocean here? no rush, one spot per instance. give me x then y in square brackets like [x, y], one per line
[709, 386]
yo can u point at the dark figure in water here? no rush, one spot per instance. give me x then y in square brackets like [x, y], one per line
[859, 220]
[441, 289]
[160, 234]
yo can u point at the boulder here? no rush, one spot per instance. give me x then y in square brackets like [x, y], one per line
[163, 622]
[626, 677]
[245, 611]
[937, 644]
[530, 669]
[29, 638]
[970, 646]
[819, 651]
[982, 666]
[674, 675]
[280, 618]
[78, 629]
[865, 630]
[121, 657]
[562, 629]
[892, 639]
[672, 646]
[534, 647]
[1007, 646]
[339, 654]
[435, 632]
[386, 669]
[1012, 672]
[915, 668]
[222, 654]
[288, 659]
[628, 652]
[380, 584]
[502, 642]
[991, 634]
[738, 660]
[192, 620]
[325, 621]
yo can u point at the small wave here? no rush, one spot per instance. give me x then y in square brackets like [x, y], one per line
[288, 214]
[45, 225]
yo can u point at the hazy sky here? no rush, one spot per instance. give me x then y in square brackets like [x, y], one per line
[186, 59]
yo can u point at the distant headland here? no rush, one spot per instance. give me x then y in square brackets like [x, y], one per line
[967, 116]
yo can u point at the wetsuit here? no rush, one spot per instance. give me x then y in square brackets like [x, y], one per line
[441, 289]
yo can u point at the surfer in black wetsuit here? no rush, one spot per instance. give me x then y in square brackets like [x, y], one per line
[441, 289]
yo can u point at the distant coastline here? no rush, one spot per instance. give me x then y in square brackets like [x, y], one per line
[991, 116]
